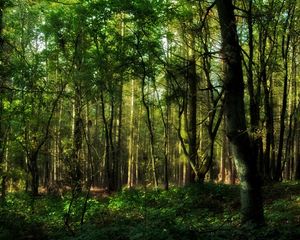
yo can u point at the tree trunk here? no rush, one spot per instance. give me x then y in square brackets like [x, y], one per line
[214, 118]
[269, 149]
[278, 170]
[183, 135]
[224, 155]
[131, 152]
[33, 168]
[254, 95]
[192, 123]
[151, 132]
[251, 199]
[76, 167]
[118, 153]
[137, 147]
[109, 148]
[165, 121]
[286, 39]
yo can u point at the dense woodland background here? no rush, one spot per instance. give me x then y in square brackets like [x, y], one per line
[99, 94]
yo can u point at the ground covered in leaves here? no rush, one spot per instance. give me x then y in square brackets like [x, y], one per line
[207, 211]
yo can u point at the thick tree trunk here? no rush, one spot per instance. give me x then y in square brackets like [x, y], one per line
[251, 199]
[33, 168]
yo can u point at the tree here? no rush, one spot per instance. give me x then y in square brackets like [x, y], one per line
[251, 199]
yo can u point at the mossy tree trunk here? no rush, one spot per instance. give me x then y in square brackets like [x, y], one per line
[251, 200]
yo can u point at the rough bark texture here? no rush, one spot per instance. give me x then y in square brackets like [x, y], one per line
[251, 200]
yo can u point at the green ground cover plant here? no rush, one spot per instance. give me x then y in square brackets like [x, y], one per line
[207, 211]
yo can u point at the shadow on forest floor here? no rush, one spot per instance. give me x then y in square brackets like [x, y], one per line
[208, 211]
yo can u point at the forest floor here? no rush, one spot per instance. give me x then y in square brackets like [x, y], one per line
[208, 211]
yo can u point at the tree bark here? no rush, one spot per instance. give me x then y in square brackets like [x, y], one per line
[251, 199]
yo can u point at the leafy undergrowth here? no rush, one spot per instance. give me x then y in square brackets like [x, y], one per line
[208, 211]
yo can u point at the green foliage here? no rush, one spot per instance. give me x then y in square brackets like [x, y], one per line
[207, 211]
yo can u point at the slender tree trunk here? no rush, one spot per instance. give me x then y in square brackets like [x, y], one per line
[214, 118]
[251, 199]
[137, 147]
[269, 149]
[293, 116]
[165, 121]
[109, 148]
[183, 135]
[131, 140]
[224, 155]
[151, 132]
[96, 142]
[118, 152]
[286, 39]
[192, 123]
[76, 167]
[48, 165]
[288, 158]
[231, 164]
[296, 110]
[278, 170]
[112, 164]
[167, 147]
[90, 165]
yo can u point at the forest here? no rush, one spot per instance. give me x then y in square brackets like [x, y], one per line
[149, 119]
